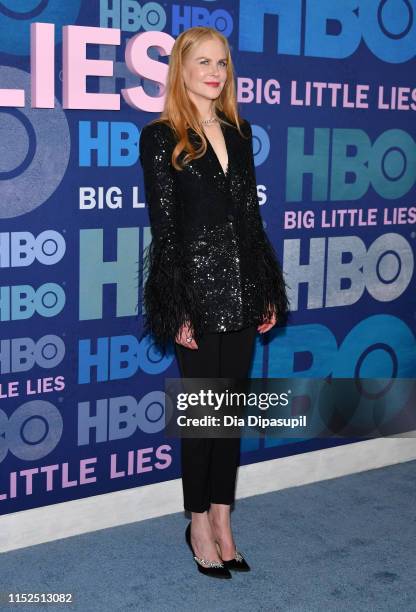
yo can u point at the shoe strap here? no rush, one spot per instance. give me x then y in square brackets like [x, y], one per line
[206, 563]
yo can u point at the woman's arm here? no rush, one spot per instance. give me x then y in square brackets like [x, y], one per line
[273, 284]
[168, 298]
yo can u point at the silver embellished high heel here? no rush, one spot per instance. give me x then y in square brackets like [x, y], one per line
[215, 569]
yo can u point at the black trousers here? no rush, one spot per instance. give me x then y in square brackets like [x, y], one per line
[209, 465]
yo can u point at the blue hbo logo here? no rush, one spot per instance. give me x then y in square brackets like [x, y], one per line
[184, 17]
[331, 29]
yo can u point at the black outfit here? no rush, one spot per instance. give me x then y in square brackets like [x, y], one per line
[209, 465]
[210, 263]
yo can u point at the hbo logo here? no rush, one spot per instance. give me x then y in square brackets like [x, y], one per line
[21, 354]
[22, 301]
[31, 432]
[22, 248]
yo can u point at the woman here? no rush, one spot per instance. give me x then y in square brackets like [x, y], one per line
[213, 279]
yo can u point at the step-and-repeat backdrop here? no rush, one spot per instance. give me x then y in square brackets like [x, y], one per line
[330, 90]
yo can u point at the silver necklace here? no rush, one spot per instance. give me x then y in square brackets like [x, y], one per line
[209, 121]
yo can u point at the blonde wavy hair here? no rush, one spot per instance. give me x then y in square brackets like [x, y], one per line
[179, 111]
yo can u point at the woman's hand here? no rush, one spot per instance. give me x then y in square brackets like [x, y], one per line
[185, 332]
[268, 324]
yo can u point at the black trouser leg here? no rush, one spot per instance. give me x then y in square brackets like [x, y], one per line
[236, 354]
[209, 465]
[196, 452]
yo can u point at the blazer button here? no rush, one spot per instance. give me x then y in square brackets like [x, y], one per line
[230, 217]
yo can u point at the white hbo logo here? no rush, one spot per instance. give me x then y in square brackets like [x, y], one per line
[22, 248]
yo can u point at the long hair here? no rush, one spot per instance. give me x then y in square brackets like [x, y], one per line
[179, 111]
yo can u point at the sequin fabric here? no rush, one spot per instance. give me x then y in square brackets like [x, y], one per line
[210, 262]
[219, 267]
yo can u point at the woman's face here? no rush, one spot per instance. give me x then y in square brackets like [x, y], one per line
[205, 69]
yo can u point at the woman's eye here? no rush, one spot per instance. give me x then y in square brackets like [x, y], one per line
[221, 62]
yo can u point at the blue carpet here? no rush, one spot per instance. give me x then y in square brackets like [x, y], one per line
[347, 544]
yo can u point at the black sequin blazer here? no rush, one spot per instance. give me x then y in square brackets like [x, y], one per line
[210, 261]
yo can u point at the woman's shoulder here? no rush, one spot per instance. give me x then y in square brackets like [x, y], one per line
[156, 135]
[245, 126]
[156, 131]
[242, 121]
[157, 126]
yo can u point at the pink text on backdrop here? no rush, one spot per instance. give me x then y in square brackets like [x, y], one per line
[76, 67]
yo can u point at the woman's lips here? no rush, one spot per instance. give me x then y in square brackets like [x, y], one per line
[212, 84]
